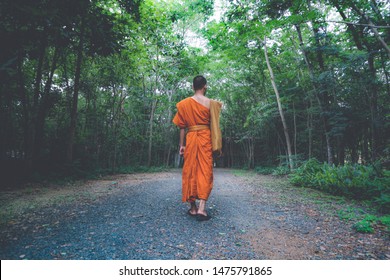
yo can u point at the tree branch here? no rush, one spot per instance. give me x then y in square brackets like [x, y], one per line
[362, 24]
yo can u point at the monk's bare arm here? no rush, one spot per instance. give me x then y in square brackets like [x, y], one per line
[181, 141]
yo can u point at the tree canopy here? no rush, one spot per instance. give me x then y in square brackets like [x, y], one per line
[92, 85]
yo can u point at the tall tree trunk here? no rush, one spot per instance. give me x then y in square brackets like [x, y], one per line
[154, 104]
[44, 107]
[374, 7]
[31, 134]
[354, 151]
[324, 118]
[167, 162]
[247, 144]
[73, 116]
[373, 108]
[117, 122]
[281, 113]
[372, 27]
[326, 100]
[385, 71]
[365, 150]
[169, 130]
[114, 127]
[38, 76]
[151, 121]
[341, 151]
[372, 94]
[351, 27]
[26, 112]
[295, 131]
[252, 152]
[231, 152]
[310, 130]
[373, 88]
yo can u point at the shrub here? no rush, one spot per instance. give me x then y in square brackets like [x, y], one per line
[354, 181]
[276, 171]
[281, 170]
[364, 226]
[264, 170]
[385, 220]
[304, 175]
[383, 202]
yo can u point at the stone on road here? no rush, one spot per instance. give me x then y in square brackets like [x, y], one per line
[253, 217]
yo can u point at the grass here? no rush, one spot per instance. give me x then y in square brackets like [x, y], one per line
[55, 192]
[44, 185]
[33, 198]
[367, 224]
[243, 173]
[361, 213]
[350, 213]
[385, 220]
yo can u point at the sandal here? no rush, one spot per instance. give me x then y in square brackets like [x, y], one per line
[189, 213]
[202, 218]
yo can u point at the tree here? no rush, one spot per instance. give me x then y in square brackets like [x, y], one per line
[285, 128]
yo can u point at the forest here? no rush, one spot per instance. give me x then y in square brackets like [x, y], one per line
[91, 86]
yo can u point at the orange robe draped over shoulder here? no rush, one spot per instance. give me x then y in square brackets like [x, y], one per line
[197, 177]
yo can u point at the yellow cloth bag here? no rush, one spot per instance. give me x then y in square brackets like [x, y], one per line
[216, 134]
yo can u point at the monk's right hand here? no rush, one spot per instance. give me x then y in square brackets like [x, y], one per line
[181, 151]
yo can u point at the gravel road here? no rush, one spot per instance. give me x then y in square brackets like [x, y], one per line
[141, 217]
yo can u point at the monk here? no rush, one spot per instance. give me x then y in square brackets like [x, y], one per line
[193, 115]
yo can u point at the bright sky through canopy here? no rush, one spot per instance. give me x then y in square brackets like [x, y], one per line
[196, 40]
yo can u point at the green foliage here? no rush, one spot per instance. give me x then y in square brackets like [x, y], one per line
[349, 213]
[281, 171]
[364, 223]
[367, 224]
[385, 220]
[364, 226]
[383, 200]
[142, 169]
[138, 58]
[263, 170]
[362, 182]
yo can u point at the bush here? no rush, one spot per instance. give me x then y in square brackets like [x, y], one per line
[264, 170]
[383, 202]
[364, 226]
[354, 181]
[385, 220]
[281, 170]
[276, 171]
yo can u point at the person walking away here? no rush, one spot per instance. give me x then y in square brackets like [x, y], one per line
[194, 116]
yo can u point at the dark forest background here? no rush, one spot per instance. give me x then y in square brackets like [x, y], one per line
[90, 87]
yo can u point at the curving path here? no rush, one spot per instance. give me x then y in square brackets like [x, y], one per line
[141, 217]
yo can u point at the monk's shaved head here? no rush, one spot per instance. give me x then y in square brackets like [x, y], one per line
[199, 82]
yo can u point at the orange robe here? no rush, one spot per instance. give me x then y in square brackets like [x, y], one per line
[197, 177]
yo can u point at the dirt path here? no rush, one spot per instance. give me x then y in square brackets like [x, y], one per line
[140, 216]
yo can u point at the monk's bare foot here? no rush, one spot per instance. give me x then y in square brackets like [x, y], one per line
[204, 213]
[202, 208]
[193, 210]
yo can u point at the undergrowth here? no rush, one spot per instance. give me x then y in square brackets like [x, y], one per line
[366, 183]
[360, 182]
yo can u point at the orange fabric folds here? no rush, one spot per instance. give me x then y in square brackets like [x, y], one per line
[197, 175]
